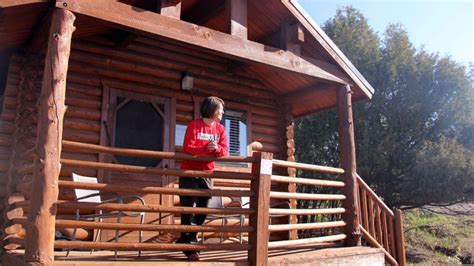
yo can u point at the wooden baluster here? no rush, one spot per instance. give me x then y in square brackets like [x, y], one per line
[259, 221]
[385, 231]
[379, 225]
[392, 236]
[372, 217]
[365, 214]
[401, 257]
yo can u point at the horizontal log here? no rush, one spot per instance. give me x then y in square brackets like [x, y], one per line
[306, 211]
[305, 226]
[81, 135]
[150, 208]
[146, 246]
[154, 190]
[12, 242]
[90, 91]
[82, 124]
[6, 140]
[374, 196]
[156, 171]
[84, 113]
[26, 169]
[305, 241]
[307, 181]
[305, 196]
[265, 130]
[84, 147]
[374, 243]
[143, 227]
[311, 167]
[90, 103]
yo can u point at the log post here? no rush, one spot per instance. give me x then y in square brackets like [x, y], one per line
[260, 203]
[51, 109]
[347, 157]
[290, 150]
[400, 241]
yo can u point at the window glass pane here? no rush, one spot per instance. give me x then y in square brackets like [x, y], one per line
[180, 132]
[236, 130]
[139, 126]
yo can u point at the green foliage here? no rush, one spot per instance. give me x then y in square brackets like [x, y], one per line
[422, 107]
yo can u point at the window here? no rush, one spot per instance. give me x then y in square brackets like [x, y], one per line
[179, 134]
[236, 130]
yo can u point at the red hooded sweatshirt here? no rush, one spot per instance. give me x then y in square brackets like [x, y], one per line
[198, 134]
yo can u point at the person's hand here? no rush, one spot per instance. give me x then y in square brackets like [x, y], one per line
[212, 145]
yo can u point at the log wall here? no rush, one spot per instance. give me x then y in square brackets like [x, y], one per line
[146, 66]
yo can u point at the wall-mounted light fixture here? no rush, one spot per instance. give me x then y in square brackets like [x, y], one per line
[187, 81]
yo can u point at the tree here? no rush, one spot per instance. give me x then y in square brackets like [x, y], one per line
[420, 101]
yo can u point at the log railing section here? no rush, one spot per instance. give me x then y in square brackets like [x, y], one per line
[380, 227]
[327, 239]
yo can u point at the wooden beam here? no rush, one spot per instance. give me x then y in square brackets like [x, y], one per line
[347, 159]
[42, 215]
[203, 11]
[306, 94]
[220, 43]
[291, 37]
[236, 18]
[171, 8]
[331, 48]
[13, 3]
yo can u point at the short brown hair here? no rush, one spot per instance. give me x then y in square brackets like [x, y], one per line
[210, 105]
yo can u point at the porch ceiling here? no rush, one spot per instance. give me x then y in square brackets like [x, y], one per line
[312, 75]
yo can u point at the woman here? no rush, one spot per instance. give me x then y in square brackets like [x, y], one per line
[205, 137]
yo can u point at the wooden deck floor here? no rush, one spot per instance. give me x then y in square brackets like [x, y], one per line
[308, 256]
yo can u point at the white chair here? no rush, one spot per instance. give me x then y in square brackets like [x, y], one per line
[218, 202]
[94, 196]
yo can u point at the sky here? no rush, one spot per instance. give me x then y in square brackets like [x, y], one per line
[440, 26]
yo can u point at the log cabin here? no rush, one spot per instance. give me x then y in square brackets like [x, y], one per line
[106, 88]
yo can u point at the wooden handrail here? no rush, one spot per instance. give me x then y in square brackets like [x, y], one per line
[307, 181]
[150, 208]
[374, 243]
[305, 196]
[304, 166]
[146, 246]
[377, 226]
[151, 170]
[306, 211]
[305, 226]
[92, 148]
[305, 241]
[373, 195]
[144, 227]
[154, 190]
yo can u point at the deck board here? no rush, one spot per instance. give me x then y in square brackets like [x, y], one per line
[307, 256]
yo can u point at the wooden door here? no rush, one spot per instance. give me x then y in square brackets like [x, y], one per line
[138, 121]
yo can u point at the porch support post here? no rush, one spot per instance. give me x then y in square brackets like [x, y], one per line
[51, 109]
[347, 157]
[260, 203]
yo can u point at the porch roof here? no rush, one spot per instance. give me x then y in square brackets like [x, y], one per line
[306, 81]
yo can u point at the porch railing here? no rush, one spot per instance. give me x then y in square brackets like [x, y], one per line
[376, 219]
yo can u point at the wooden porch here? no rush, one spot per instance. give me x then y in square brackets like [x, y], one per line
[382, 229]
[324, 255]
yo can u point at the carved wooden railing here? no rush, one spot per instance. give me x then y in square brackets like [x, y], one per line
[380, 227]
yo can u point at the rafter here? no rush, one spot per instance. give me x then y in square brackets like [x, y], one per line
[218, 42]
